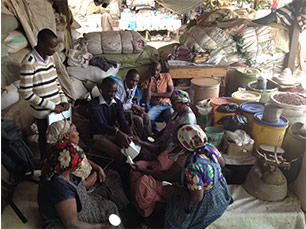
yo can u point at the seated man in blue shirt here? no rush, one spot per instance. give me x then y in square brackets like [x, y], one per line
[125, 93]
[105, 112]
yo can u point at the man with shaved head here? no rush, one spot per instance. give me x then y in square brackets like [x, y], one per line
[39, 84]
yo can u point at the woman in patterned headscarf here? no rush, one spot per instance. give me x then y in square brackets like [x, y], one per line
[202, 195]
[65, 131]
[62, 196]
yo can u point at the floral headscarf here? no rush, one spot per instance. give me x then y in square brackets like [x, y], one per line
[192, 137]
[180, 96]
[62, 157]
[55, 132]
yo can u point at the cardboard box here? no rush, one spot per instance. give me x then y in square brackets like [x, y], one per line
[235, 150]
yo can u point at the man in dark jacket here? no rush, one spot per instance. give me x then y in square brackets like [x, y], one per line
[108, 126]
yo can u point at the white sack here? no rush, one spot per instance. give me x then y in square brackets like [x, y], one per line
[9, 96]
[92, 73]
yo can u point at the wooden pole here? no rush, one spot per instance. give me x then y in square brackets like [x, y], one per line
[293, 46]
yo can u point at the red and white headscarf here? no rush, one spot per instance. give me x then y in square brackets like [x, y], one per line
[191, 137]
[62, 157]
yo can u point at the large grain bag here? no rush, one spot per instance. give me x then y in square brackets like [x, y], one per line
[9, 23]
[111, 42]
[15, 41]
[9, 96]
[114, 42]
[94, 42]
[10, 71]
[79, 91]
[139, 43]
[19, 56]
[127, 42]
[92, 73]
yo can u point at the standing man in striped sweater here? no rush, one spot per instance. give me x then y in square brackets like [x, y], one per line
[39, 84]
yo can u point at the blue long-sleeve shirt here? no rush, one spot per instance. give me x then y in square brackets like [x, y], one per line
[103, 117]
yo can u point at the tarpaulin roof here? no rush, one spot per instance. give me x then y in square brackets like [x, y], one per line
[180, 6]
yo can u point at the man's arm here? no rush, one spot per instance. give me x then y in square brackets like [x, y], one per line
[147, 90]
[96, 117]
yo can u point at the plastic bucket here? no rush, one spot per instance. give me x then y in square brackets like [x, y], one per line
[217, 115]
[249, 109]
[265, 94]
[204, 116]
[214, 135]
[203, 88]
[219, 101]
[268, 133]
[292, 112]
[240, 97]
[240, 77]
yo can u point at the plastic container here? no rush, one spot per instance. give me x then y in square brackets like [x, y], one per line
[240, 97]
[219, 101]
[294, 146]
[203, 88]
[265, 94]
[292, 112]
[249, 109]
[214, 135]
[268, 133]
[204, 116]
[241, 77]
[217, 115]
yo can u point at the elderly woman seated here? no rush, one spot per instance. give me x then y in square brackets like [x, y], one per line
[63, 198]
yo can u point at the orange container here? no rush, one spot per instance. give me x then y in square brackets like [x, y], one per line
[214, 102]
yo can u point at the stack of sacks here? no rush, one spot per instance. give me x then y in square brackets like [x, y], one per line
[14, 42]
[14, 47]
[238, 40]
[81, 72]
[91, 74]
[115, 42]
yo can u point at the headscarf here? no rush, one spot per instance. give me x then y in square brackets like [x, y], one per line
[180, 96]
[62, 157]
[55, 132]
[191, 137]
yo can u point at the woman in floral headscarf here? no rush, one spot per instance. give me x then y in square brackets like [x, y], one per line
[62, 196]
[202, 195]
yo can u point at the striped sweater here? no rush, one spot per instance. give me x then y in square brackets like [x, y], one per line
[39, 85]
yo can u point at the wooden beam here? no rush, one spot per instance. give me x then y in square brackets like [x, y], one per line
[293, 48]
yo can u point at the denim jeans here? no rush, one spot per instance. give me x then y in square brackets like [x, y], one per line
[155, 111]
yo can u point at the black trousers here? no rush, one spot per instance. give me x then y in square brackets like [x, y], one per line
[42, 125]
